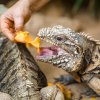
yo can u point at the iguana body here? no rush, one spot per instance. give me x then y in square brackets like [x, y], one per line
[74, 52]
[20, 76]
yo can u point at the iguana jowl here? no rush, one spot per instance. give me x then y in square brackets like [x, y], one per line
[74, 52]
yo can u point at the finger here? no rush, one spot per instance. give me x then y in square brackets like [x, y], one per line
[8, 33]
[19, 23]
[5, 28]
[12, 30]
[9, 22]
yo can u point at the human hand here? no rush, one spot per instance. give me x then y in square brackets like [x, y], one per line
[14, 18]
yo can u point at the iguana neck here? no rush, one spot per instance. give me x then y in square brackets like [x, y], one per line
[91, 58]
[96, 56]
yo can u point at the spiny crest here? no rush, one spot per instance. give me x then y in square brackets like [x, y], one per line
[56, 29]
[43, 31]
[89, 37]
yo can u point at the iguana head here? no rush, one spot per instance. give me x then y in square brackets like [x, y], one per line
[67, 50]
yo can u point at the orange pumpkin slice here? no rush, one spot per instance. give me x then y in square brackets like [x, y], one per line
[21, 37]
[24, 37]
[36, 44]
[61, 87]
[67, 93]
[50, 84]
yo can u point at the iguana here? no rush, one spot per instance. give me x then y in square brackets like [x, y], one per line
[74, 52]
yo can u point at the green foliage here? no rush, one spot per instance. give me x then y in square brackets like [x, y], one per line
[77, 5]
[92, 5]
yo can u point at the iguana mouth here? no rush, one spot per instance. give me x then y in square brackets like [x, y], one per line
[48, 52]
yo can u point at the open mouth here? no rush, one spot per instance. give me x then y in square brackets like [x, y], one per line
[48, 52]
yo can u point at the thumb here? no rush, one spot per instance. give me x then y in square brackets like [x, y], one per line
[19, 23]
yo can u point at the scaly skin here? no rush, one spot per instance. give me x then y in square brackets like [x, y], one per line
[20, 76]
[74, 52]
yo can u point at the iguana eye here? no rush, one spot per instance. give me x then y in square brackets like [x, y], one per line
[59, 38]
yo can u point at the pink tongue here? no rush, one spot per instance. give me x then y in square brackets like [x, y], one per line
[48, 51]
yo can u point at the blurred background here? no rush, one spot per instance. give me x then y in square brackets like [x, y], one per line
[80, 15]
